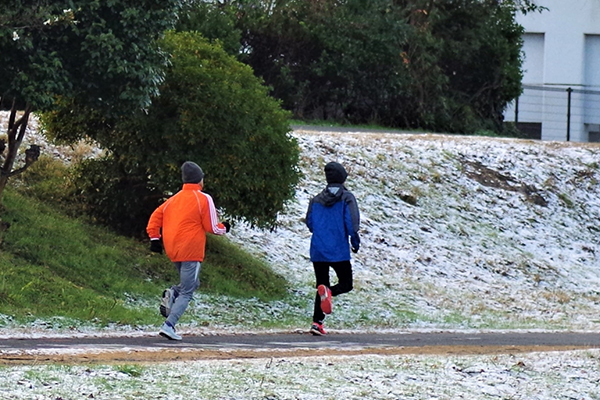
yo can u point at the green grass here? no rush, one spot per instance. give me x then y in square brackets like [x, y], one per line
[52, 265]
[325, 123]
[509, 132]
[134, 371]
[229, 269]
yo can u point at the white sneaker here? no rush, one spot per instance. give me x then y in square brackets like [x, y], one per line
[168, 332]
[168, 298]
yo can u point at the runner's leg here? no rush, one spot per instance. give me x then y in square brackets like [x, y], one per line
[189, 281]
[343, 271]
[322, 278]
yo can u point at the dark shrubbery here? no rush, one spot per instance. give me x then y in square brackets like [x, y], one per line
[448, 66]
[114, 197]
[211, 110]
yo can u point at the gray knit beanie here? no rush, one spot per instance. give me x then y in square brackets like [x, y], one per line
[191, 172]
[335, 173]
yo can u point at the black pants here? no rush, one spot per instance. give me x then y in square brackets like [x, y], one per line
[343, 271]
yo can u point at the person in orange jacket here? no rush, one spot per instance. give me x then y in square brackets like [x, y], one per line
[182, 223]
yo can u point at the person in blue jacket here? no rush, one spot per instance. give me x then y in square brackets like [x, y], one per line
[332, 217]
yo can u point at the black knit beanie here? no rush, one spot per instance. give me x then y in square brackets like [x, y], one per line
[191, 172]
[335, 173]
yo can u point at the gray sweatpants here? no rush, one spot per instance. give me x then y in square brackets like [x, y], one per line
[184, 292]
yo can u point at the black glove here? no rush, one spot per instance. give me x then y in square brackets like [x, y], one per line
[355, 243]
[156, 246]
[227, 226]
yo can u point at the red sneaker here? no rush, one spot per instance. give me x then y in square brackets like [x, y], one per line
[325, 294]
[317, 329]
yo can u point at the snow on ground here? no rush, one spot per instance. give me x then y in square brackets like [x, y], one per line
[466, 255]
[535, 376]
[32, 135]
[457, 233]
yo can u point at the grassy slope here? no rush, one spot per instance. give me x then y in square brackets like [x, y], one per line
[53, 265]
[466, 256]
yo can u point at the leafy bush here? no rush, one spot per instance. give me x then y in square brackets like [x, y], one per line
[444, 65]
[51, 181]
[101, 53]
[115, 197]
[215, 23]
[211, 110]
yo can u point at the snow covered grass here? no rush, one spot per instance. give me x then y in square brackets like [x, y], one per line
[457, 233]
[442, 250]
[569, 375]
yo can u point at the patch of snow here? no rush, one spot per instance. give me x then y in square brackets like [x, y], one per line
[541, 376]
[465, 257]
[34, 136]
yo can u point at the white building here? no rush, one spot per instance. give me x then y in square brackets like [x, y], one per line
[561, 97]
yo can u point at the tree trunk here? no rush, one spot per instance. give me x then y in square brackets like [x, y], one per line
[15, 132]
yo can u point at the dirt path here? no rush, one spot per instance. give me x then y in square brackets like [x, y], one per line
[151, 349]
[170, 355]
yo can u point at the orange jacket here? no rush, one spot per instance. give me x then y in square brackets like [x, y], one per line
[184, 220]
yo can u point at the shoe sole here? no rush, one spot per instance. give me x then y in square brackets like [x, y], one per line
[164, 308]
[316, 332]
[325, 299]
[166, 335]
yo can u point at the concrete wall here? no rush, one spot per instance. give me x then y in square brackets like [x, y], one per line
[561, 50]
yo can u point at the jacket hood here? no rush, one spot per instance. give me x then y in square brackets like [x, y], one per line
[331, 194]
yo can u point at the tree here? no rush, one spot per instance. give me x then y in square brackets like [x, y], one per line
[214, 20]
[433, 64]
[101, 54]
[211, 110]
[480, 54]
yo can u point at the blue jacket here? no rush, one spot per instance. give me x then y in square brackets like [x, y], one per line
[332, 217]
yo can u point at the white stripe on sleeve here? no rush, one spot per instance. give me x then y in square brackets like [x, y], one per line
[214, 219]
